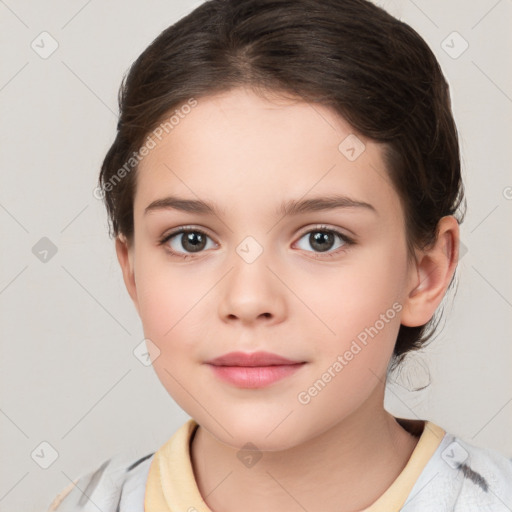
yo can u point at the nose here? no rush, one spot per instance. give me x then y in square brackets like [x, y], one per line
[252, 293]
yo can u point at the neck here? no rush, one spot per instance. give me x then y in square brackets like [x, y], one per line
[348, 467]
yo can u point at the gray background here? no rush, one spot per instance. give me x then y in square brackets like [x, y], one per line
[68, 373]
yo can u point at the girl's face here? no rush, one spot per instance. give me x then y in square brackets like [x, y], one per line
[301, 253]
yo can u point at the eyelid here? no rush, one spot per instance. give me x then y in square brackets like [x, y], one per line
[326, 227]
[184, 228]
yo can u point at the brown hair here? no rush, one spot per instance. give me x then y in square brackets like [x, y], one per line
[350, 55]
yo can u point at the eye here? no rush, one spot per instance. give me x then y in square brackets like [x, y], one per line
[192, 240]
[186, 241]
[323, 239]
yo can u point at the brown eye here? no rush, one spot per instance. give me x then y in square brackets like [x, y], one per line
[186, 241]
[324, 240]
[192, 241]
[321, 240]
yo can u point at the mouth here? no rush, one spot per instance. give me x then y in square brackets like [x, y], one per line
[253, 370]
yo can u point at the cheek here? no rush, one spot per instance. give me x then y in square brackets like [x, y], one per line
[362, 295]
[170, 306]
[362, 309]
[169, 298]
[360, 304]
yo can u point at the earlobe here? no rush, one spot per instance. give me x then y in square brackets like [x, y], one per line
[125, 256]
[432, 275]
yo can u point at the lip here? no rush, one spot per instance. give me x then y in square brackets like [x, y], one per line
[251, 359]
[253, 370]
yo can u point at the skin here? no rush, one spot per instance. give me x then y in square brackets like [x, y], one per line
[246, 153]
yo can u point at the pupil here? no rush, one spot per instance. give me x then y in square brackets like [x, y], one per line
[195, 241]
[321, 240]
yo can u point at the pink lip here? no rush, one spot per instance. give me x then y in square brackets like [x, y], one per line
[254, 370]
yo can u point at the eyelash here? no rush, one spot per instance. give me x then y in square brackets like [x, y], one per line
[348, 242]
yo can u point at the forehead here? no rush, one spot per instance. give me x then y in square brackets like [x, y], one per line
[239, 148]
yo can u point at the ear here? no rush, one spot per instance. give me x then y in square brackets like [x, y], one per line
[431, 274]
[125, 256]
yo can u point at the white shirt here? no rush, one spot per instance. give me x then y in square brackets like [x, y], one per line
[444, 473]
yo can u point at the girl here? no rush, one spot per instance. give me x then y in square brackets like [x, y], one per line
[285, 195]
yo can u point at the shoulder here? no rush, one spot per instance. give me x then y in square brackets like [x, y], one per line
[117, 485]
[462, 477]
[487, 476]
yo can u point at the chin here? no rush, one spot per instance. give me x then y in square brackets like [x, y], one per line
[263, 431]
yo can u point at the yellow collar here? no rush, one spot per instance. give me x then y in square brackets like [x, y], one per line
[171, 485]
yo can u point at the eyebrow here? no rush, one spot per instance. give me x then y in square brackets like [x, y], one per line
[291, 207]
